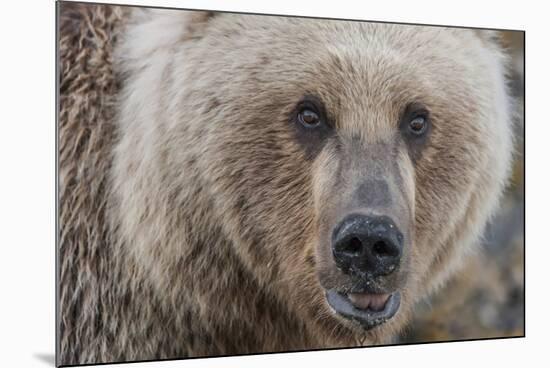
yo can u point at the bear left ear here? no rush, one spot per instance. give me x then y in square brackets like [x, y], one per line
[197, 21]
[150, 31]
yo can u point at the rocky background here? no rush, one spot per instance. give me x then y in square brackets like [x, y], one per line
[487, 298]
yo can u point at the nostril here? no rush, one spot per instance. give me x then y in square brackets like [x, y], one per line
[383, 249]
[354, 246]
[380, 248]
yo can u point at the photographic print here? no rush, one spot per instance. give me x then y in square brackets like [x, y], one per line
[236, 184]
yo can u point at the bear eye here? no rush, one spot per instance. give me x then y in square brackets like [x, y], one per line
[311, 124]
[418, 125]
[309, 118]
[310, 113]
[415, 126]
[415, 122]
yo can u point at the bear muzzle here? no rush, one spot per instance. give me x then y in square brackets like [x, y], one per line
[368, 249]
[370, 245]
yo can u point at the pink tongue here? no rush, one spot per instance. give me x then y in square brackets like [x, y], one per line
[375, 302]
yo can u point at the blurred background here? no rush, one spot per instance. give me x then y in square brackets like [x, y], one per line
[487, 298]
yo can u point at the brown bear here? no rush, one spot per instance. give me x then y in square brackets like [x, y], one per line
[235, 184]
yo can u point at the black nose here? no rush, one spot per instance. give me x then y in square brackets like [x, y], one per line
[367, 244]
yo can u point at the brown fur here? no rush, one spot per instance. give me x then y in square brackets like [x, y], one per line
[193, 222]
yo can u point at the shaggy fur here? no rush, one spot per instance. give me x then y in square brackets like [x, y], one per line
[194, 221]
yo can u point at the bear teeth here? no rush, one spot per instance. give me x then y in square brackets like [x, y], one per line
[375, 302]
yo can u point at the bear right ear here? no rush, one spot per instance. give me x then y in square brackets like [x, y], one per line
[493, 42]
[490, 38]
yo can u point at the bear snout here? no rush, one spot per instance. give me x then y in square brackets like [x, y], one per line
[365, 245]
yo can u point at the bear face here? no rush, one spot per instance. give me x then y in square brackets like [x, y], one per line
[345, 167]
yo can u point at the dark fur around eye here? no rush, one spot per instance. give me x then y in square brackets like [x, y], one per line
[310, 122]
[415, 127]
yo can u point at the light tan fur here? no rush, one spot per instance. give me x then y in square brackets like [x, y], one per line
[200, 222]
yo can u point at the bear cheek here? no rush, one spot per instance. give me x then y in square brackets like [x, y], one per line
[445, 180]
[324, 171]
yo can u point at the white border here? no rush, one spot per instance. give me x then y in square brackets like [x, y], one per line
[27, 138]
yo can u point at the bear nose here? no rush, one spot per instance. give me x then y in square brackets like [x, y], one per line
[367, 245]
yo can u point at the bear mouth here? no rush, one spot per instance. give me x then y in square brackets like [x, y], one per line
[367, 310]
